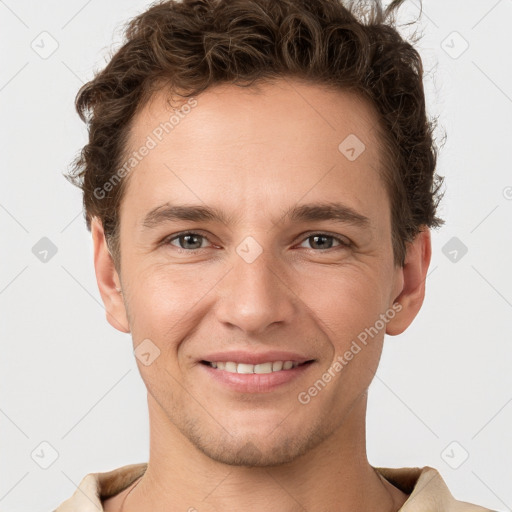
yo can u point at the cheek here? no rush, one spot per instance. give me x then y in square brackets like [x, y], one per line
[350, 301]
[350, 314]
[162, 299]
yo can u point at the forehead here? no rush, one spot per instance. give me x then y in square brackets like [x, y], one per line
[259, 112]
[244, 147]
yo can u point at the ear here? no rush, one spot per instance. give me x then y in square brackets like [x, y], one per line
[413, 275]
[108, 279]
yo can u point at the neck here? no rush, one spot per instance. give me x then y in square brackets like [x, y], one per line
[329, 477]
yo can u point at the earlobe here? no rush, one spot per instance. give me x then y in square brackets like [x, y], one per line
[413, 276]
[108, 280]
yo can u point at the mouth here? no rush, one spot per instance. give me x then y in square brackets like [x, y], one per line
[260, 368]
[244, 371]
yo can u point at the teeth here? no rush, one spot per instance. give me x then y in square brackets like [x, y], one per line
[261, 368]
[277, 365]
[231, 367]
[244, 368]
[268, 367]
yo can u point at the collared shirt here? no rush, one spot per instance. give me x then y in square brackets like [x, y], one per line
[426, 489]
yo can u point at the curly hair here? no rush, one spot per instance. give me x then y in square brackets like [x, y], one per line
[185, 47]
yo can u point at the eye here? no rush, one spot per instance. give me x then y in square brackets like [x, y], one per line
[189, 241]
[324, 241]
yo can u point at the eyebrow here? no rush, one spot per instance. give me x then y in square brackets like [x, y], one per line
[330, 211]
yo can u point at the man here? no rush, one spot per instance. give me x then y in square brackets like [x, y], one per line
[287, 142]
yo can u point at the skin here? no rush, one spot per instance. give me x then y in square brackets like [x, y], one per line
[253, 154]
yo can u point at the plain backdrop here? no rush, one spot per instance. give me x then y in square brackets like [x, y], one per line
[71, 398]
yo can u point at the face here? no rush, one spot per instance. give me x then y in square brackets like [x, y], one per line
[253, 234]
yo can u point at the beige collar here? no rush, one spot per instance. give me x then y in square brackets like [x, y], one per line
[426, 488]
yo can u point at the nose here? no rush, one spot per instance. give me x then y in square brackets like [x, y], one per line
[255, 296]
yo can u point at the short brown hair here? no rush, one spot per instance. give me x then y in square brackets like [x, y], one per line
[190, 45]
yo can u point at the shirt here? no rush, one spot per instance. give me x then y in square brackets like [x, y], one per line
[426, 489]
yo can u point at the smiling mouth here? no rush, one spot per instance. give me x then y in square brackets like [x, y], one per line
[267, 367]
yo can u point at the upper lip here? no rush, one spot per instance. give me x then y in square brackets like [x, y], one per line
[242, 356]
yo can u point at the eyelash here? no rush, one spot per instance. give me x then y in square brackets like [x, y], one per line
[168, 240]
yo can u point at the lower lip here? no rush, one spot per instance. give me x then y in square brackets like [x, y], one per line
[255, 382]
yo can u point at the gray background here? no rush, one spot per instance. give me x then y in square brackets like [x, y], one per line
[443, 390]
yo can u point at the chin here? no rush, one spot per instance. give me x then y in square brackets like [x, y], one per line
[258, 449]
